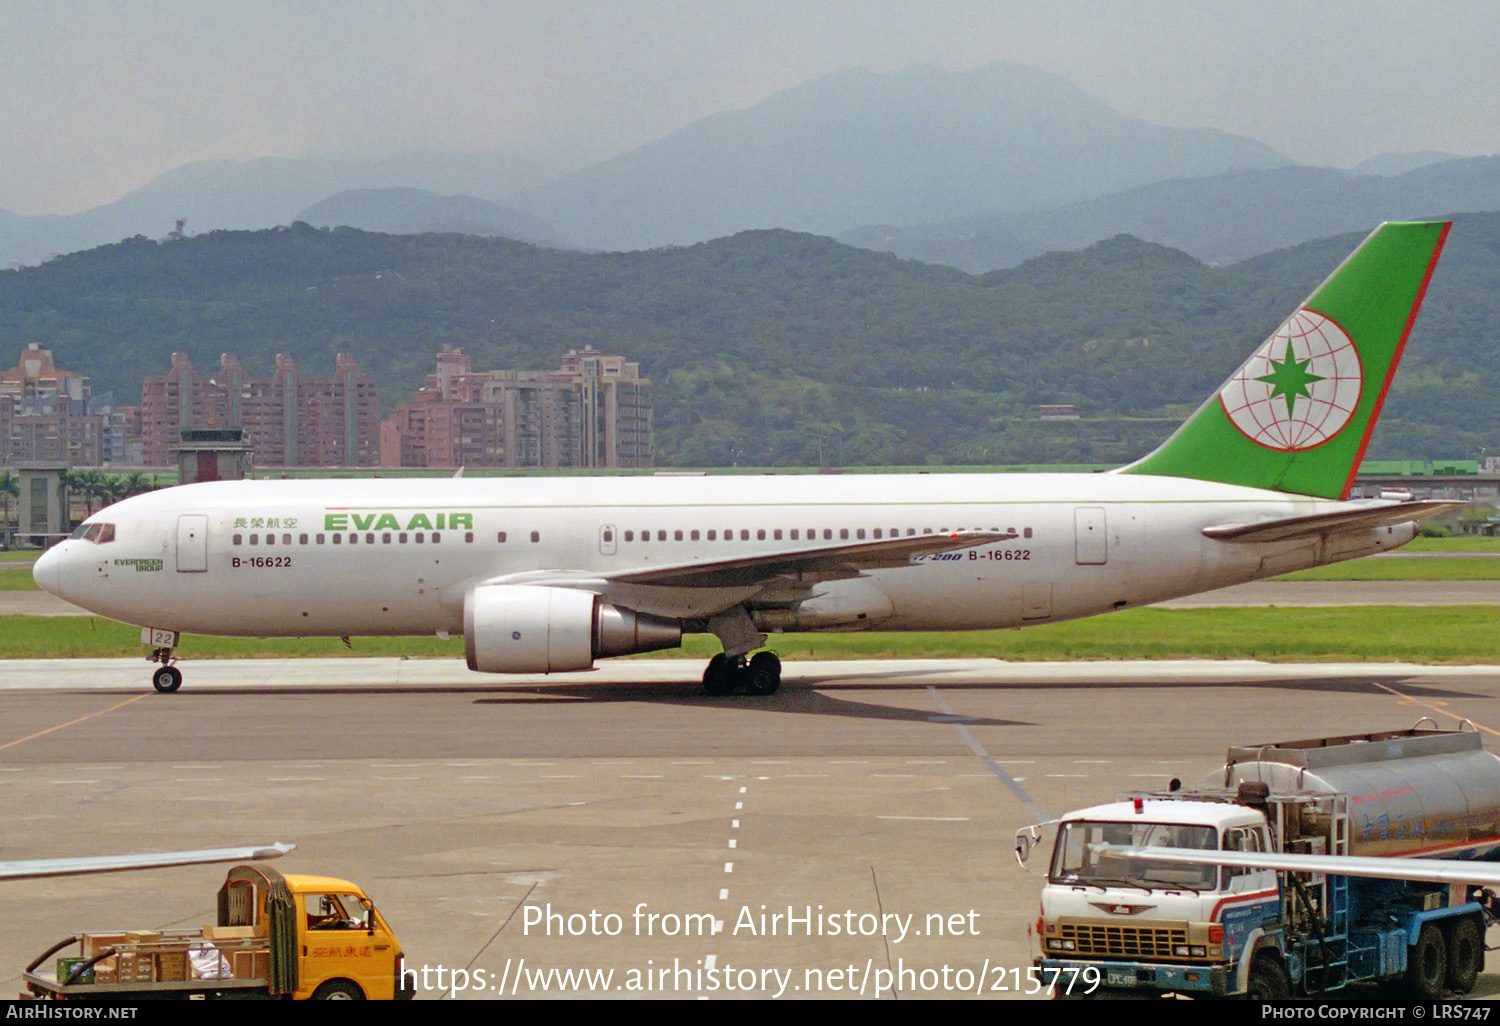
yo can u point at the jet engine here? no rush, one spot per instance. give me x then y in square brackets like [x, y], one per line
[521, 628]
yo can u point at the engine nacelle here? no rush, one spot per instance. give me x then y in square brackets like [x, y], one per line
[523, 628]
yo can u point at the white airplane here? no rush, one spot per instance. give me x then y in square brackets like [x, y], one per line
[548, 575]
[28, 869]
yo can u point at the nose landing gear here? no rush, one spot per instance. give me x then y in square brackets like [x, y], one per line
[166, 678]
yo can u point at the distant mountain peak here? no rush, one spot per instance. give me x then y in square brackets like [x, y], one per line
[915, 145]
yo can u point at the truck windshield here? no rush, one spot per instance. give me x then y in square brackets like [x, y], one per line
[1078, 860]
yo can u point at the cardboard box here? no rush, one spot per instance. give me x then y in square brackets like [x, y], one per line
[93, 943]
[136, 968]
[231, 932]
[107, 970]
[65, 966]
[171, 966]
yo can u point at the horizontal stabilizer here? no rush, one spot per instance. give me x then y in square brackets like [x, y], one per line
[1426, 870]
[1316, 524]
[31, 868]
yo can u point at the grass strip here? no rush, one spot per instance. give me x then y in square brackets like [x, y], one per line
[1408, 634]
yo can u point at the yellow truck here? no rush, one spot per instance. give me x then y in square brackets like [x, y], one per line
[277, 936]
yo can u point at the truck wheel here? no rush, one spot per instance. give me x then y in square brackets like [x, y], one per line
[339, 990]
[1427, 964]
[1465, 942]
[1268, 980]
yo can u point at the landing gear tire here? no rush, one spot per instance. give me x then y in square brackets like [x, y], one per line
[721, 676]
[167, 679]
[764, 675]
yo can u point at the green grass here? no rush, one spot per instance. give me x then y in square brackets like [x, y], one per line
[1461, 544]
[1402, 570]
[1429, 634]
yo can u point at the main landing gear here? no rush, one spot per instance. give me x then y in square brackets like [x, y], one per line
[759, 675]
[167, 678]
[734, 669]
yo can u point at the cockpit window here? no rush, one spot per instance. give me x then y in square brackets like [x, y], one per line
[99, 534]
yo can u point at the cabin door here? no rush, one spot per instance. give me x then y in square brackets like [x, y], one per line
[1091, 545]
[192, 543]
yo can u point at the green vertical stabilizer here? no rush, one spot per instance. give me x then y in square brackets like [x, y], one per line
[1297, 416]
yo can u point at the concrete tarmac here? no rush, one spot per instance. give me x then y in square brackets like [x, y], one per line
[848, 836]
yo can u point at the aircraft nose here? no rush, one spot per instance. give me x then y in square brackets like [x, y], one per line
[47, 571]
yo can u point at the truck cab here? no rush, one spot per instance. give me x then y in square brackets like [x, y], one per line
[345, 949]
[1172, 925]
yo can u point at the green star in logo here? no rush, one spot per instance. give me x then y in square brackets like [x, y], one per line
[1290, 378]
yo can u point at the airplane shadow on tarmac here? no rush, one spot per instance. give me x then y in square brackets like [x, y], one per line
[816, 694]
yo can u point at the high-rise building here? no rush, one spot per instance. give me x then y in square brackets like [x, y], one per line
[593, 412]
[288, 420]
[48, 414]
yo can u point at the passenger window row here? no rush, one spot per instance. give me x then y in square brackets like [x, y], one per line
[711, 534]
[793, 534]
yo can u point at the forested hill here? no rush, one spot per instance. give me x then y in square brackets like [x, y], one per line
[762, 342]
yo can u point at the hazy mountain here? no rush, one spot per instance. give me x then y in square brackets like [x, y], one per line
[217, 194]
[1400, 163]
[414, 211]
[1218, 219]
[914, 146]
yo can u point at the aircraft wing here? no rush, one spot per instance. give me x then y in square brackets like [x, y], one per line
[806, 565]
[826, 563]
[701, 588]
[32, 868]
[1315, 524]
[1461, 871]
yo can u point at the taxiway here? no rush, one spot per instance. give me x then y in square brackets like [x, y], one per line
[473, 808]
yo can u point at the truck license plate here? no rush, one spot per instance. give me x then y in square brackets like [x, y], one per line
[1120, 979]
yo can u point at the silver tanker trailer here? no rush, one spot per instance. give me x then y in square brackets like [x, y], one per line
[1116, 920]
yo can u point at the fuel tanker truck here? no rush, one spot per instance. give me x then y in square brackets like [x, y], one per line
[1300, 868]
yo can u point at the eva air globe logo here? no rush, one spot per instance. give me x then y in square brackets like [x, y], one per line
[1299, 389]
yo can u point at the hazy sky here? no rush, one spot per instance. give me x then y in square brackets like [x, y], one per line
[97, 97]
